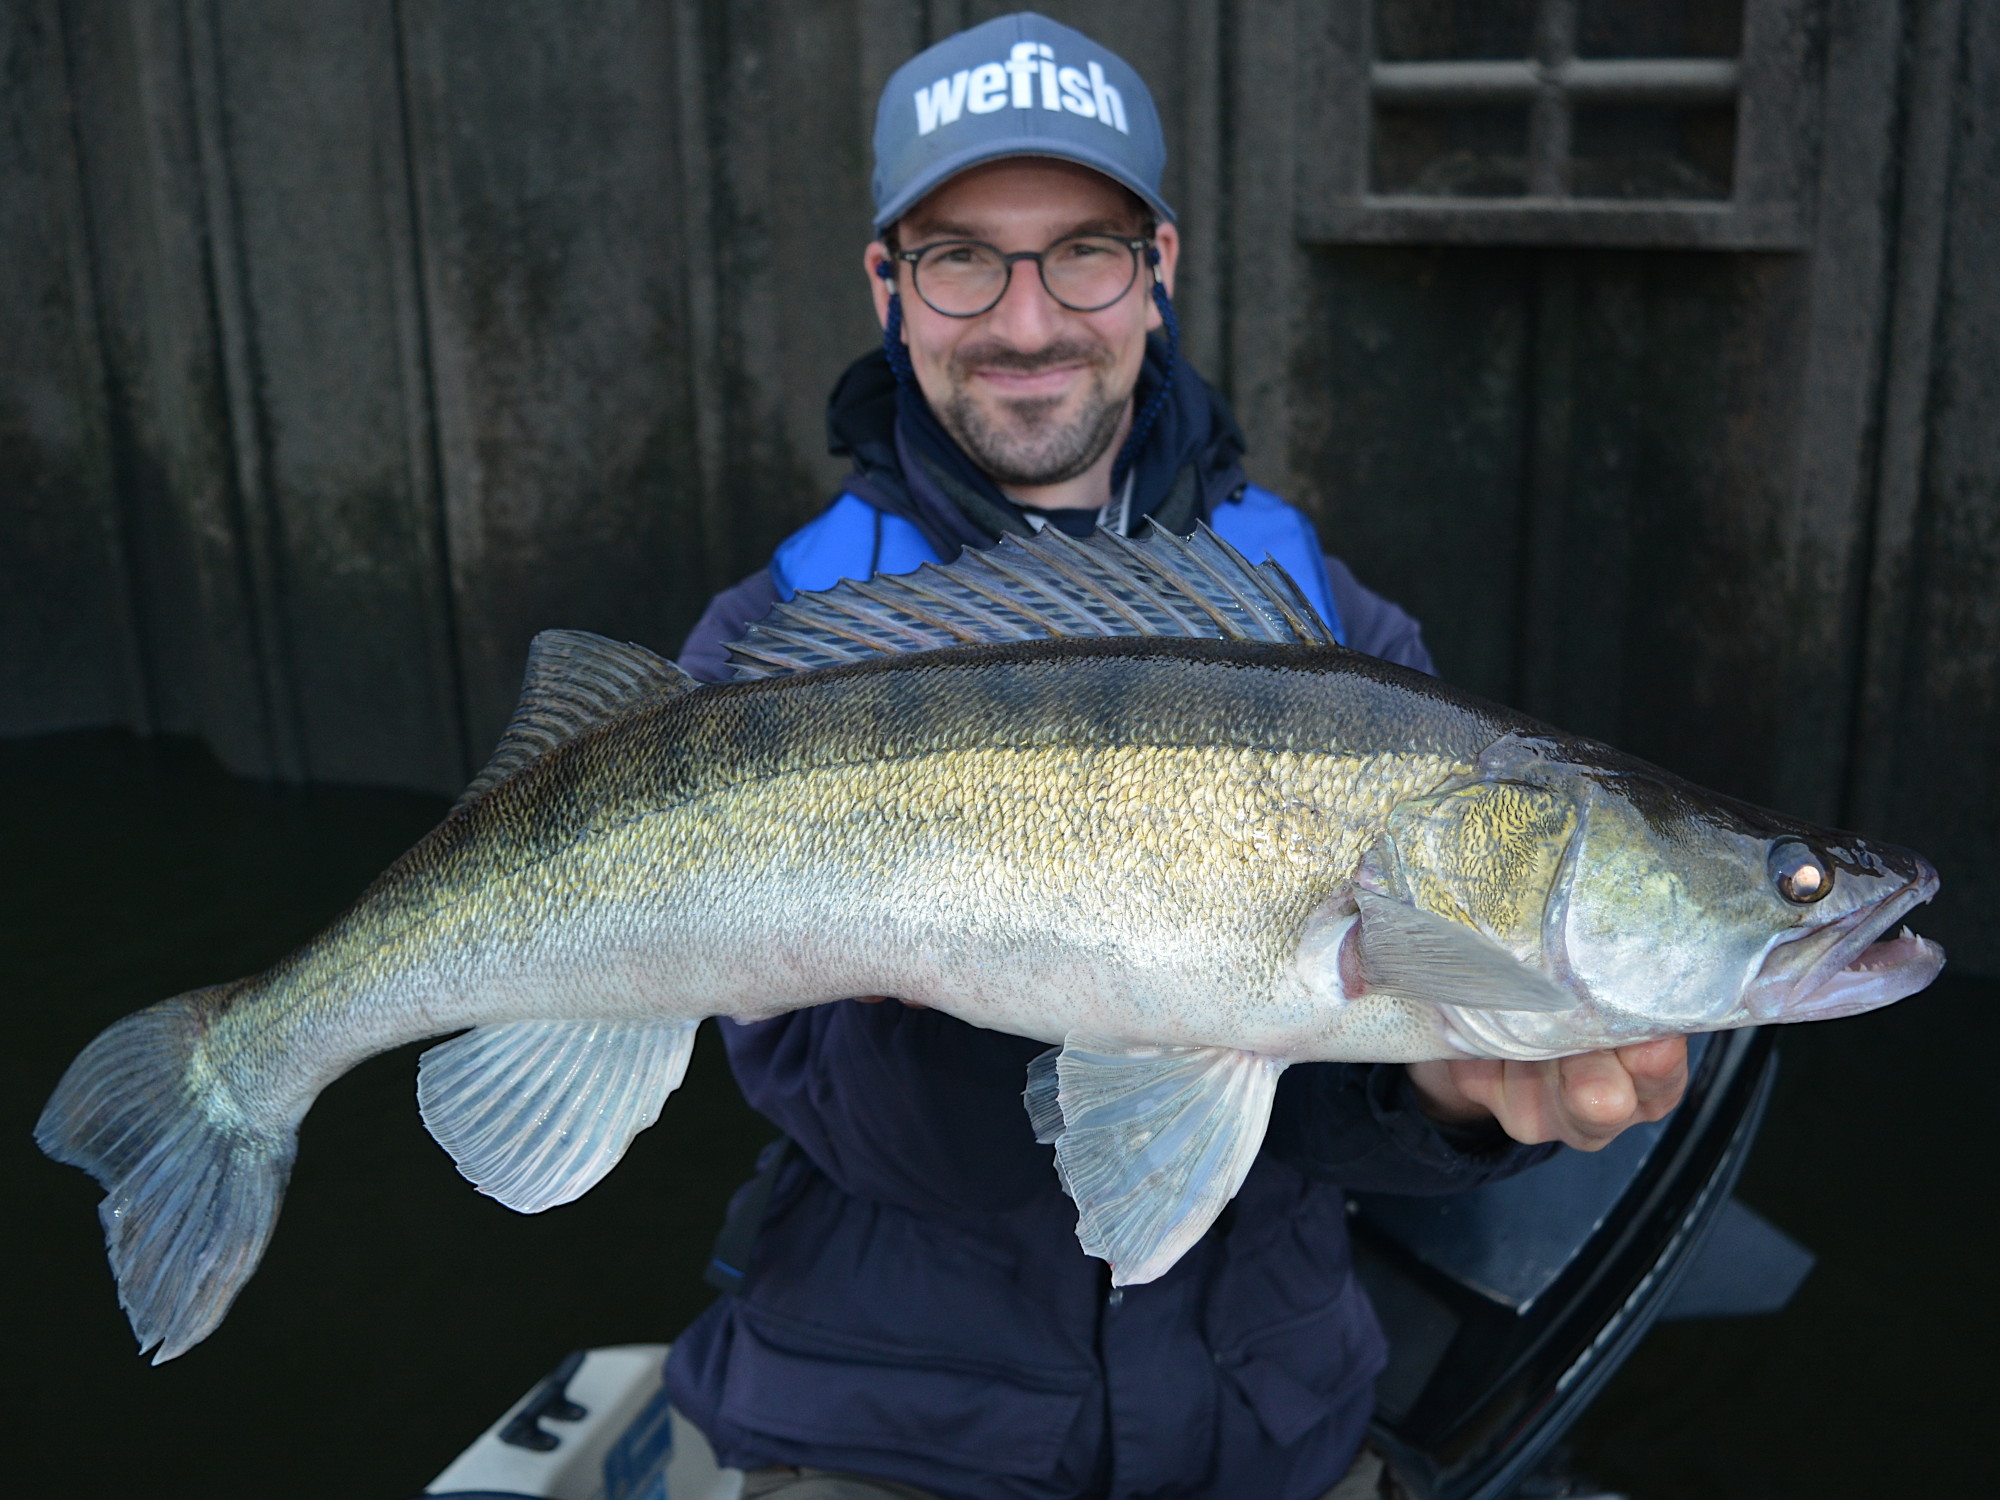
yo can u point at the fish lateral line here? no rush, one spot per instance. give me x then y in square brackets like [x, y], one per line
[1534, 876]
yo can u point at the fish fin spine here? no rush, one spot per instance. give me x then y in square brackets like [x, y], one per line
[1050, 586]
[1043, 1098]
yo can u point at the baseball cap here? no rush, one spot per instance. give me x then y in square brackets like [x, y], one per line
[1021, 85]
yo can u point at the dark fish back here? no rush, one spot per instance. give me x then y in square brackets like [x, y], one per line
[1109, 692]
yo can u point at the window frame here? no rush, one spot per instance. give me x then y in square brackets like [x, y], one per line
[1766, 208]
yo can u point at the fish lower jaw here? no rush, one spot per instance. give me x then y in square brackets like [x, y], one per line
[1881, 974]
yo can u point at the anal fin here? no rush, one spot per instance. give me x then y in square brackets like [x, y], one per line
[536, 1112]
[1041, 1097]
[1152, 1142]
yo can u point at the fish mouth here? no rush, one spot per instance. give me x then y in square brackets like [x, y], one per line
[1857, 968]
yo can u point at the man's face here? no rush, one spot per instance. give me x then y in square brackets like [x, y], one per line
[1033, 392]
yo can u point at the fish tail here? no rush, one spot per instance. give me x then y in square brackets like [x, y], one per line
[192, 1187]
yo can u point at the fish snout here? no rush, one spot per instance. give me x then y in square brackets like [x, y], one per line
[1889, 866]
[1847, 966]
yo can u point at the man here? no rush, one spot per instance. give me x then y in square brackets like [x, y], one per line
[915, 1308]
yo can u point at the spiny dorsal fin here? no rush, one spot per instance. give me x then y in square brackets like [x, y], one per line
[574, 680]
[1051, 585]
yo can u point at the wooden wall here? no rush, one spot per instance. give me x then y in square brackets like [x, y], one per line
[350, 342]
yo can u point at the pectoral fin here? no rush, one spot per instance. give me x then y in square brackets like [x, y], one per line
[1150, 1142]
[536, 1112]
[1418, 955]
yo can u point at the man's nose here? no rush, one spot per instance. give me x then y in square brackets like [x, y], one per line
[1026, 316]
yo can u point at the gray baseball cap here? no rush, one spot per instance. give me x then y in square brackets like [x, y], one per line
[1017, 86]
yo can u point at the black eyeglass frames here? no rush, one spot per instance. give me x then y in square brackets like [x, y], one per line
[1083, 272]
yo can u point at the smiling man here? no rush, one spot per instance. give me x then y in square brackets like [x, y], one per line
[909, 1312]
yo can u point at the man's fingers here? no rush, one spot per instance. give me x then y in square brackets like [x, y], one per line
[1659, 1074]
[1479, 1079]
[1598, 1098]
[1583, 1101]
[1661, 1059]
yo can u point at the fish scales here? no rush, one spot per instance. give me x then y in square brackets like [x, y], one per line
[1187, 853]
[728, 813]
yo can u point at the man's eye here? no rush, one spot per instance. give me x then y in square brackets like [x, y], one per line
[1084, 250]
[954, 255]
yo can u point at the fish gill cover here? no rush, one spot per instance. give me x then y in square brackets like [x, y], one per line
[1126, 798]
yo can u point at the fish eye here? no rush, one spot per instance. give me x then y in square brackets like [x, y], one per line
[1799, 874]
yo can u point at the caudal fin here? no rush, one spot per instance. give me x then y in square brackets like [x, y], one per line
[191, 1194]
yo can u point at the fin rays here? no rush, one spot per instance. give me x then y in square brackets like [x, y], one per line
[536, 1112]
[1151, 1142]
[1422, 956]
[189, 1202]
[574, 680]
[1048, 586]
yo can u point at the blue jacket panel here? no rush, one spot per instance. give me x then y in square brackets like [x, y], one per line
[849, 539]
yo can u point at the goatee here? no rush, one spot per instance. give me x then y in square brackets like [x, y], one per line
[1026, 444]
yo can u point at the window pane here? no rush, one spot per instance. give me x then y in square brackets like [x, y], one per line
[1652, 151]
[1420, 30]
[1659, 28]
[1473, 152]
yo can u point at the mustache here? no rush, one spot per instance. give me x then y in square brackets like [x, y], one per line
[998, 356]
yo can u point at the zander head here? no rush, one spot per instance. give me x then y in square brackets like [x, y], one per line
[1648, 906]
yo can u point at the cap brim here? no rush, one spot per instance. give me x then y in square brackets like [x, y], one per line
[943, 170]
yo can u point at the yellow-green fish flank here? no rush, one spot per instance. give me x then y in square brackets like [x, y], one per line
[1129, 801]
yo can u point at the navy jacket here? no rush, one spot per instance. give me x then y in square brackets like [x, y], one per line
[916, 1306]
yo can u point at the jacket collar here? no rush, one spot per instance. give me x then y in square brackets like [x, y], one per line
[905, 463]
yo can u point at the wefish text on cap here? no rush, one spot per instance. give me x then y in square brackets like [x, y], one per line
[990, 86]
[1021, 85]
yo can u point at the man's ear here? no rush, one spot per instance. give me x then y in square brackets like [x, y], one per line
[875, 259]
[1167, 240]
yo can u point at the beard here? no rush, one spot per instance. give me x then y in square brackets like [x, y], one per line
[1028, 444]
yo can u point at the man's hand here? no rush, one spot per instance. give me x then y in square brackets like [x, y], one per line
[1582, 1101]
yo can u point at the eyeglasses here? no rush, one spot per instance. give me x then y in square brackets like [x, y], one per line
[964, 278]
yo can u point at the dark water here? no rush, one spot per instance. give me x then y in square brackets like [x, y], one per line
[398, 1311]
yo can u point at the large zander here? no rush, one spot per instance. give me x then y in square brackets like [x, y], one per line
[1128, 799]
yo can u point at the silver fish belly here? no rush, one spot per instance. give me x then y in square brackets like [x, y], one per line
[1129, 800]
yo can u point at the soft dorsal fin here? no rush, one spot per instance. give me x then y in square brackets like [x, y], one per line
[1036, 588]
[574, 680]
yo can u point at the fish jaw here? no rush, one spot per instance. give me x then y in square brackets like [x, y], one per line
[1846, 967]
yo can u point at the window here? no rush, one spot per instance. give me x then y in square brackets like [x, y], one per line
[1622, 122]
